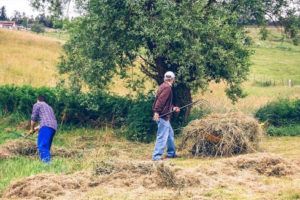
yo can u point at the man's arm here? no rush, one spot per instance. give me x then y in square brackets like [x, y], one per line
[160, 102]
[34, 117]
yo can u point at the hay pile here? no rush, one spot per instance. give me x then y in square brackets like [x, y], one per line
[149, 174]
[18, 147]
[28, 148]
[46, 186]
[221, 135]
[265, 164]
[115, 174]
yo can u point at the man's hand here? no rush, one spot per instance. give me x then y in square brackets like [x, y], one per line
[176, 109]
[36, 128]
[156, 117]
[31, 131]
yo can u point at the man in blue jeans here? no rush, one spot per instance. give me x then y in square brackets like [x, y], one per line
[43, 113]
[162, 105]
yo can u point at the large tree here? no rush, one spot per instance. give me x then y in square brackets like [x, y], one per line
[200, 41]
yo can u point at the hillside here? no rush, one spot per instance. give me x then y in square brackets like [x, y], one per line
[99, 163]
[28, 58]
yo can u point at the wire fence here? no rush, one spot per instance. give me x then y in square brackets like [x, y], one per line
[268, 82]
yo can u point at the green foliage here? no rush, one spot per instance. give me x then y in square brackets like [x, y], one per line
[263, 33]
[141, 127]
[69, 107]
[60, 23]
[198, 43]
[291, 25]
[198, 113]
[37, 28]
[289, 130]
[85, 109]
[280, 113]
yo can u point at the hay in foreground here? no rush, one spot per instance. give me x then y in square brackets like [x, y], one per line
[146, 176]
[46, 186]
[265, 164]
[221, 135]
[25, 147]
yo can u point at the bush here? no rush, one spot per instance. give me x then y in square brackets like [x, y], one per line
[69, 107]
[89, 109]
[290, 130]
[141, 127]
[263, 32]
[280, 113]
[38, 28]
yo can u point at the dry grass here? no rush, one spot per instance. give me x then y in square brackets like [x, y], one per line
[256, 97]
[117, 169]
[25, 147]
[28, 58]
[221, 135]
[229, 178]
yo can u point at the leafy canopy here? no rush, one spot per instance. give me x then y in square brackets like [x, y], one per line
[200, 42]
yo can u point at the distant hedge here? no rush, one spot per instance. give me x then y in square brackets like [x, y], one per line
[86, 109]
[280, 113]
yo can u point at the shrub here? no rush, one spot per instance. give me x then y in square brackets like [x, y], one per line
[38, 28]
[264, 33]
[290, 130]
[141, 127]
[69, 107]
[281, 112]
[89, 109]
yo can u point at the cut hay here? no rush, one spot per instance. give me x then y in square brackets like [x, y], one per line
[19, 147]
[166, 177]
[147, 173]
[46, 186]
[110, 167]
[221, 135]
[264, 164]
[28, 148]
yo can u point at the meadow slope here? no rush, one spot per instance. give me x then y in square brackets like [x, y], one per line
[28, 58]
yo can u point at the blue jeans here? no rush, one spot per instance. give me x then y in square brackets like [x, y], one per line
[44, 143]
[165, 137]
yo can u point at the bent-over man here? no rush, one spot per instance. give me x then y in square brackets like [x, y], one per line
[43, 113]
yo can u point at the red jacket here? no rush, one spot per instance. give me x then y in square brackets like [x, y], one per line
[163, 101]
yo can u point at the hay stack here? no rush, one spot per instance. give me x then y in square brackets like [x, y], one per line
[221, 135]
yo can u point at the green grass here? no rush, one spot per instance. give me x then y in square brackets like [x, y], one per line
[16, 168]
[274, 58]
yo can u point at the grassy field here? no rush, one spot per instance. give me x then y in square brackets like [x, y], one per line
[27, 58]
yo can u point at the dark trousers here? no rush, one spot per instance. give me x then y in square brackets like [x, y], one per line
[44, 143]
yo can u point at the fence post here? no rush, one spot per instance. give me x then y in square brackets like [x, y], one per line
[290, 83]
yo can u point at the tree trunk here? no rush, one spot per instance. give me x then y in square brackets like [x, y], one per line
[182, 96]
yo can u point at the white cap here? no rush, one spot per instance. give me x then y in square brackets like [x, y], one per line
[169, 75]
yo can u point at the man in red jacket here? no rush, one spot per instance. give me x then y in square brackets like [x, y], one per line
[163, 104]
